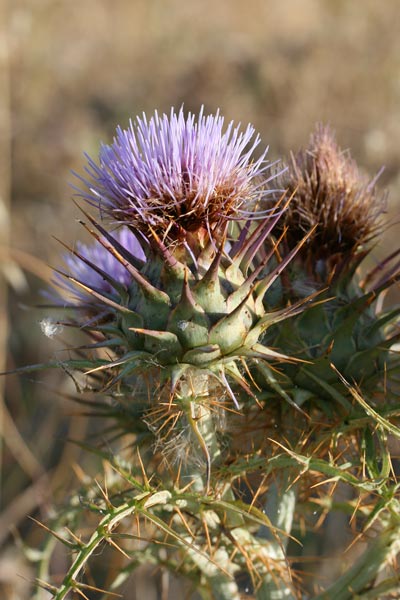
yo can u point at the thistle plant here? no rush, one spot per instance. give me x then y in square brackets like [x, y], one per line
[247, 368]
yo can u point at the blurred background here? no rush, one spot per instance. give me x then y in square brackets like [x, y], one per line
[69, 73]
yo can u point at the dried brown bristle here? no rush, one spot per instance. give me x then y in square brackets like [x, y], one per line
[332, 194]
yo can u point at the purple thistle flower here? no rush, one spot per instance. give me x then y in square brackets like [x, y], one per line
[98, 270]
[175, 175]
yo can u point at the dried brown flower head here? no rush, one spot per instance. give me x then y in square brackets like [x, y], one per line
[332, 195]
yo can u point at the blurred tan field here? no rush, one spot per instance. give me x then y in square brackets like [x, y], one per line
[69, 73]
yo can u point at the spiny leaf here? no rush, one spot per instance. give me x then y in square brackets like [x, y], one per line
[327, 387]
[298, 462]
[144, 284]
[72, 545]
[73, 364]
[95, 293]
[382, 320]
[363, 572]
[129, 357]
[133, 260]
[264, 284]
[179, 538]
[106, 276]
[384, 423]
[271, 380]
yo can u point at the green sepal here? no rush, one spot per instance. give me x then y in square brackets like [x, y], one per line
[208, 291]
[230, 331]
[128, 322]
[174, 374]
[164, 345]
[203, 355]
[188, 320]
[172, 285]
[313, 326]
[270, 319]
[261, 351]
[191, 332]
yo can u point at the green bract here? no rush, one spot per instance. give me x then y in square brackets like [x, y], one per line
[204, 311]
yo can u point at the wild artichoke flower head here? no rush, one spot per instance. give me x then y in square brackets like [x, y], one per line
[194, 300]
[176, 175]
[330, 194]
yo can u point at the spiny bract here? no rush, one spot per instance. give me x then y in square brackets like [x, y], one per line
[205, 311]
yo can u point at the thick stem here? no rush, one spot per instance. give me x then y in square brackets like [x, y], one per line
[267, 549]
[202, 425]
[279, 507]
[222, 586]
[197, 391]
[362, 574]
[196, 394]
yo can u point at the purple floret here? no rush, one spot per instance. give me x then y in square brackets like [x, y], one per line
[177, 172]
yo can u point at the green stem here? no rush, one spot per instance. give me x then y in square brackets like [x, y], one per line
[362, 574]
[279, 507]
[222, 586]
[195, 396]
[200, 418]
[201, 422]
[106, 525]
[265, 549]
